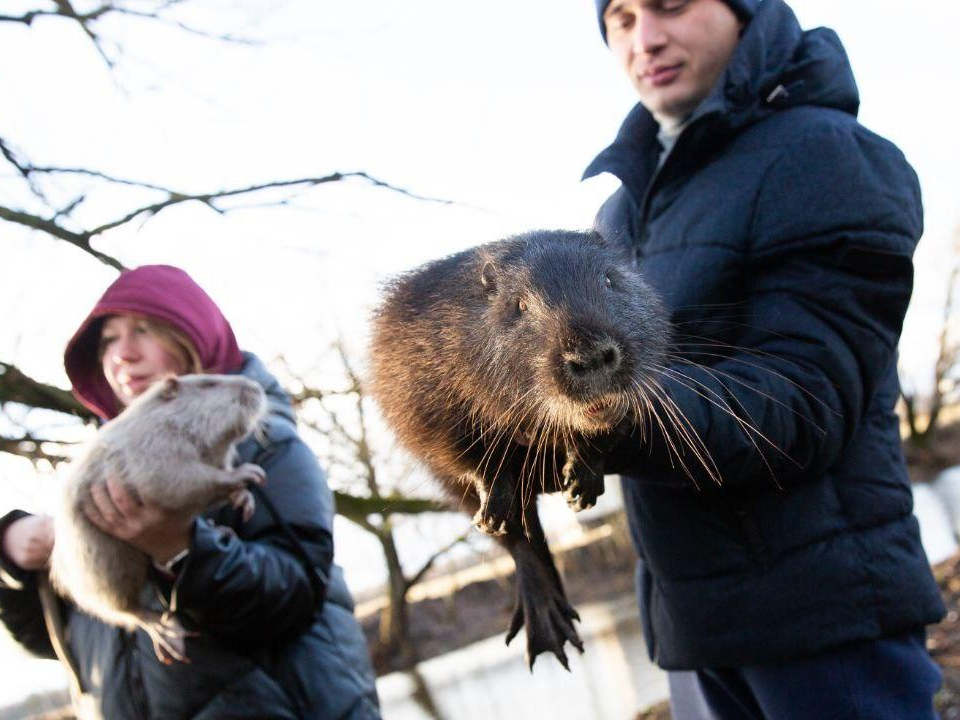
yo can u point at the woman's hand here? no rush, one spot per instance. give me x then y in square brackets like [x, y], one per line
[119, 511]
[28, 542]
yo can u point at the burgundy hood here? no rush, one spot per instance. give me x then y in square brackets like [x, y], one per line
[160, 292]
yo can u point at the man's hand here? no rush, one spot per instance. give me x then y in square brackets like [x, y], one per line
[28, 542]
[119, 511]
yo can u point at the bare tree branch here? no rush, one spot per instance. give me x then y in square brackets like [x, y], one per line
[22, 168]
[12, 158]
[16, 386]
[946, 366]
[225, 37]
[175, 198]
[359, 508]
[82, 239]
[87, 20]
[28, 17]
[418, 576]
[50, 227]
[66, 211]
[30, 448]
[39, 169]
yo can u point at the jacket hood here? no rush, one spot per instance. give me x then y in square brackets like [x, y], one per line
[776, 65]
[278, 402]
[159, 292]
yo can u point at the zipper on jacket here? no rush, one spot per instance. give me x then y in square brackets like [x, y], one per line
[661, 167]
[138, 694]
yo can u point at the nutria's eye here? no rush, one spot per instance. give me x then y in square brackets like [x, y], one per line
[170, 389]
[608, 281]
[521, 306]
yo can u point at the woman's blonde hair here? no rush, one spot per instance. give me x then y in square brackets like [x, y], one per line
[177, 342]
[173, 340]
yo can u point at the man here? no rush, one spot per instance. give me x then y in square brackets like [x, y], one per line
[786, 570]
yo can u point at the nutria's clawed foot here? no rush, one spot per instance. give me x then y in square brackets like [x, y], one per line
[488, 524]
[543, 608]
[249, 473]
[244, 501]
[582, 482]
[498, 507]
[168, 636]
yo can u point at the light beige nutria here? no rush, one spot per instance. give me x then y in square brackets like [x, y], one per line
[172, 446]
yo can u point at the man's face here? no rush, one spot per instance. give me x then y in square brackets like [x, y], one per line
[673, 51]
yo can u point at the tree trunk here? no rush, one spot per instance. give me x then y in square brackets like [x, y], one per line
[394, 632]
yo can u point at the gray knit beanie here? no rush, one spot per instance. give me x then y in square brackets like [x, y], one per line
[743, 9]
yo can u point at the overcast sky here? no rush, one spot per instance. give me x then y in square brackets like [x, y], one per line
[497, 106]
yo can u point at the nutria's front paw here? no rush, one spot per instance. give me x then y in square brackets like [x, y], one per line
[248, 472]
[582, 482]
[244, 501]
[489, 525]
[497, 509]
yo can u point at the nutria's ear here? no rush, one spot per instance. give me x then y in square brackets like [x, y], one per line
[596, 237]
[618, 244]
[171, 388]
[488, 277]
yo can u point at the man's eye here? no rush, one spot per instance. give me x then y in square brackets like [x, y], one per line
[673, 5]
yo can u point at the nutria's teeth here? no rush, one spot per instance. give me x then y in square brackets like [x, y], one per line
[600, 408]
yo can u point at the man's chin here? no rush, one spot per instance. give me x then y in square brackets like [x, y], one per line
[671, 112]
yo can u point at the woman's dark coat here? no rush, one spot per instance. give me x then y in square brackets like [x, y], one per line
[269, 645]
[780, 233]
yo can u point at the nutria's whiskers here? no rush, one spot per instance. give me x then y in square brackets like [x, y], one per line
[686, 435]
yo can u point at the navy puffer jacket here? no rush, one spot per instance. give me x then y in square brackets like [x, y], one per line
[779, 232]
[267, 647]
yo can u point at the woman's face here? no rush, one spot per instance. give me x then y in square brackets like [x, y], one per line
[133, 356]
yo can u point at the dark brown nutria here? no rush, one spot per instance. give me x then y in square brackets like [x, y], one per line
[173, 446]
[504, 369]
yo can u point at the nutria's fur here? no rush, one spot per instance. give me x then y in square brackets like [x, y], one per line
[173, 446]
[504, 369]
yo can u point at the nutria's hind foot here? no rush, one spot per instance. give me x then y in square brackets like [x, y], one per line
[582, 481]
[544, 610]
[168, 636]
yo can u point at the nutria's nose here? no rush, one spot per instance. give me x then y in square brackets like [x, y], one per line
[601, 358]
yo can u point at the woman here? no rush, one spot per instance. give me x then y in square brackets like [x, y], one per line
[275, 632]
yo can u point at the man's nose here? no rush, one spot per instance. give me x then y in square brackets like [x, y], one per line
[648, 33]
